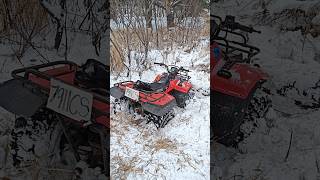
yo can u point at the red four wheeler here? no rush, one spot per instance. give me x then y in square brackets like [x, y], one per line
[155, 101]
[237, 92]
[66, 102]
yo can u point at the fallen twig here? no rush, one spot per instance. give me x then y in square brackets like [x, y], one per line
[288, 152]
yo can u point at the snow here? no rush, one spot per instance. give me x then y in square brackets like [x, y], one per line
[180, 150]
[286, 57]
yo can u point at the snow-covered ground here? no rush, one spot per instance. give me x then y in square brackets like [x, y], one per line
[287, 57]
[180, 150]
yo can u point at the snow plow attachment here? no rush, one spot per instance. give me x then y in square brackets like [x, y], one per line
[21, 97]
[116, 92]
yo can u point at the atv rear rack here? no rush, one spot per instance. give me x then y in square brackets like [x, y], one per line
[34, 73]
[145, 93]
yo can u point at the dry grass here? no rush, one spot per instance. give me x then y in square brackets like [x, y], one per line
[116, 127]
[125, 167]
[117, 58]
[206, 30]
[23, 15]
[165, 144]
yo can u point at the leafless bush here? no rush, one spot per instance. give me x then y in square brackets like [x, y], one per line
[36, 24]
[20, 22]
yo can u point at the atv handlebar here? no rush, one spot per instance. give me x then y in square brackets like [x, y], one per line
[230, 23]
[182, 69]
[246, 28]
[167, 66]
[161, 64]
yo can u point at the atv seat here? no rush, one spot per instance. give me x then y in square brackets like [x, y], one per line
[144, 86]
[93, 74]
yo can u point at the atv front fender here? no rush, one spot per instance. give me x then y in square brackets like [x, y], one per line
[244, 78]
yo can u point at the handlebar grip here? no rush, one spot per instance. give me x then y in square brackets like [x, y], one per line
[247, 29]
[161, 64]
[182, 69]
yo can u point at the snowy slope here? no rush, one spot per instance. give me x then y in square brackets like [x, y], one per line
[287, 57]
[180, 150]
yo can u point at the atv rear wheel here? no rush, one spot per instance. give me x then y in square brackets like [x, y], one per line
[136, 110]
[29, 137]
[42, 138]
[160, 121]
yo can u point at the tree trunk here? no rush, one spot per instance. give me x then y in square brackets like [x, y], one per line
[170, 18]
[148, 7]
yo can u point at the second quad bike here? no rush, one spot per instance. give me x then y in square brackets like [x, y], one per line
[237, 91]
[156, 100]
[61, 108]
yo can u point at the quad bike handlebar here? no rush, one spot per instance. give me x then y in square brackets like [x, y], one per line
[174, 66]
[231, 24]
[174, 70]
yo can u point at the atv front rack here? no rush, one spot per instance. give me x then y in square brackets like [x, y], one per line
[228, 26]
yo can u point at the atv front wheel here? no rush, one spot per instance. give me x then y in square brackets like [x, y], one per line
[227, 115]
[180, 97]
[230, 113]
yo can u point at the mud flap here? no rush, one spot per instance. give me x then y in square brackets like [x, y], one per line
[20, 97]
[116, 92]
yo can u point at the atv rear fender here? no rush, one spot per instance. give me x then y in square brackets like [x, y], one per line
[117, 91]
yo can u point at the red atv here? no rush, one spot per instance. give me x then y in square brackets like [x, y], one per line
[67, 102]
[237, 95]
[155, 101]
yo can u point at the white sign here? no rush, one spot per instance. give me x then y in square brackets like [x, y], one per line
[132, 94]
[70, 101]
